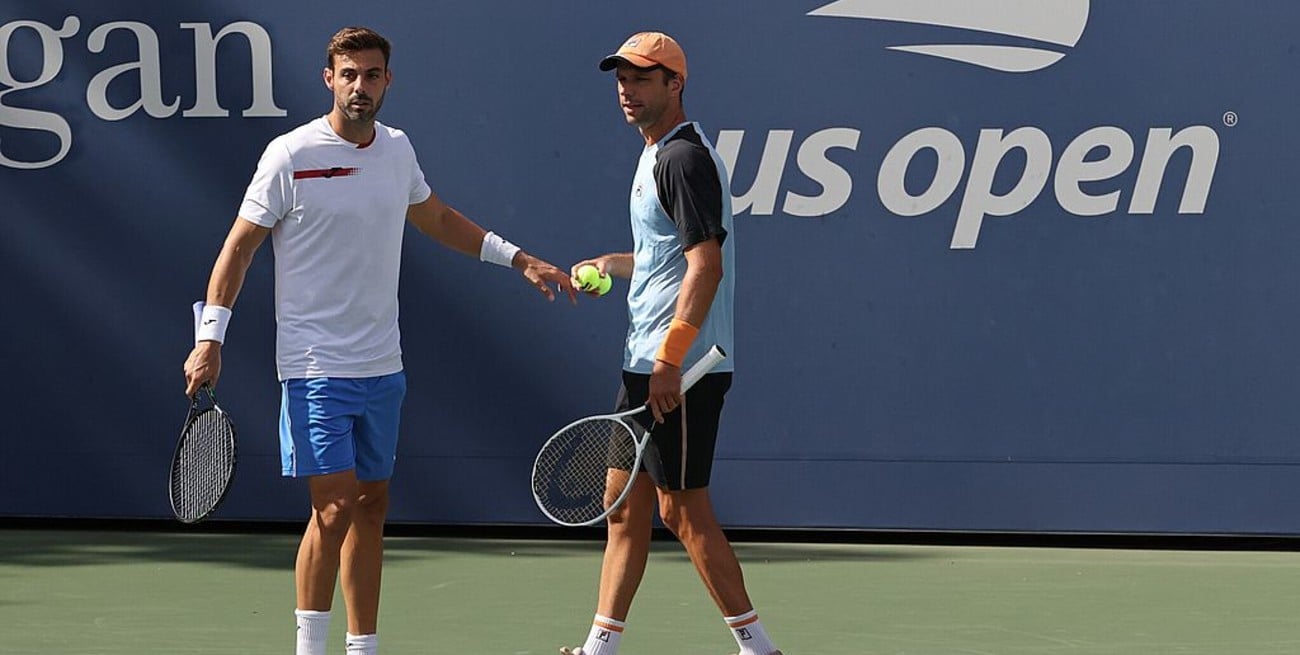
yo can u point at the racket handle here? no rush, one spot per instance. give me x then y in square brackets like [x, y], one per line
[702, 367]
[198, 318]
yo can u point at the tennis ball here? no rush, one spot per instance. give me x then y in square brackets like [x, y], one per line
[590, 279]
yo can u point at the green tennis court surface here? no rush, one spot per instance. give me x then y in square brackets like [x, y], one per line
[89, 592]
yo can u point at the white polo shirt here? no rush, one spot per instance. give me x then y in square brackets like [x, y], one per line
[337, 214]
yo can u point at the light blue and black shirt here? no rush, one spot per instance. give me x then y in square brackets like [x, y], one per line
[680, 197]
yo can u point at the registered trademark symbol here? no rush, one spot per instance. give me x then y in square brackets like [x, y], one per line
[1230, 118]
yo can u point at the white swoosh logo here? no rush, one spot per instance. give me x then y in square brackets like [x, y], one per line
[1057, 22]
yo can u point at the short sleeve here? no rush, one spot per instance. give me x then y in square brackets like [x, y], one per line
[417, 189]
[269, 196]
[691, 192]
[420, 190]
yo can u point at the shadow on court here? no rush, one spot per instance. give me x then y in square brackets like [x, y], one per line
[58, 548]
[76, 548]
[662, 547]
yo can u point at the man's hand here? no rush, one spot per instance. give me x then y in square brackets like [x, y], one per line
[542, 275]
[613, 264]
[665, 389]
[202, 367]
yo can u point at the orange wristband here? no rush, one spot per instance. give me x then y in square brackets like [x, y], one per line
[680, 337]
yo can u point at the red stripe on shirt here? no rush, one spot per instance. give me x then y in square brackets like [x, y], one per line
[337, 171]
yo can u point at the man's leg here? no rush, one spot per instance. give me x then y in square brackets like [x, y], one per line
[375, 436]
[333, 497]
[689, 515]
[363, 558]
[626, 550]
[316, 442]
[333, 501]
[627, 545]
[684, 445]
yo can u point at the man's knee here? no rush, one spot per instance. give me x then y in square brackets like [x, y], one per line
[333, 517]
[686, 511]
[334, 499]
[673, 512]
[372, 505]
[619, 516]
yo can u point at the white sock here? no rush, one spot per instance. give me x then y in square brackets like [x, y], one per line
[363, 644]
[749, 634]
[604, 637]
[313, 631]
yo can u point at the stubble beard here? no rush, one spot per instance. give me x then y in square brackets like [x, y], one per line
[647, 118]
[362, 116]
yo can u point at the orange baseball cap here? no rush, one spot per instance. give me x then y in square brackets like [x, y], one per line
[647, 50]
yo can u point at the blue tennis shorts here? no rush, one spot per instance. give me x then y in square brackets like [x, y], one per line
[329, 425]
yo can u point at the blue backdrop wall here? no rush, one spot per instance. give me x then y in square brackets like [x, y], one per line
[1000, 266]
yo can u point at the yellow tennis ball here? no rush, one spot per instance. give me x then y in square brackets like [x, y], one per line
[590, 279]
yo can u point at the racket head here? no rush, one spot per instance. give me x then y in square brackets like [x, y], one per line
[203, 464]
[585, 470]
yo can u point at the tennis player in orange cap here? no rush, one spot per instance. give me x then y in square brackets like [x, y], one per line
[680, 304]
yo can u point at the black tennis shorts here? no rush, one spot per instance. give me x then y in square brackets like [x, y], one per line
[680, 452]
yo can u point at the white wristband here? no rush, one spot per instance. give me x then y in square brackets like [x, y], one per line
[212, 324]
[496, 250]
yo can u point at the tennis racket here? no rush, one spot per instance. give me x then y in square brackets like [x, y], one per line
[204, 462]
[584, 471]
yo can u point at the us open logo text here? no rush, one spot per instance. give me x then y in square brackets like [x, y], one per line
[1074, 169]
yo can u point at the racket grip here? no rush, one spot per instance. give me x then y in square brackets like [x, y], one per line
[702, 367]
[198, 317]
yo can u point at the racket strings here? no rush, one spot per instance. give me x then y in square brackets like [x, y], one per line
[584, 468]
[203, 467]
